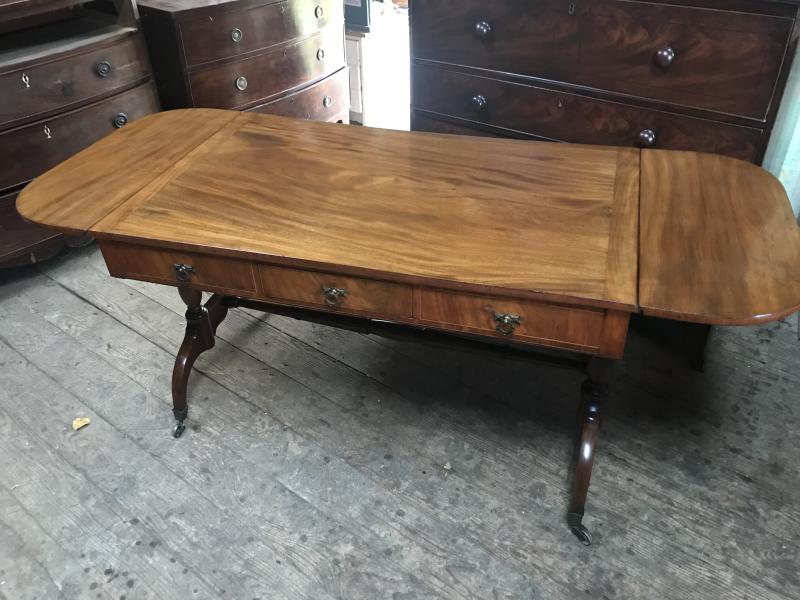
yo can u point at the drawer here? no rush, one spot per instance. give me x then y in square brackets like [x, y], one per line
[28, 151]
[518, 36]
[336, 292]
[722, 61]
[323, 101]
[36, 91]
[236, 32]
[253, 79]
[536, 322]
[211, 273]
[18, 237]
[574, 118]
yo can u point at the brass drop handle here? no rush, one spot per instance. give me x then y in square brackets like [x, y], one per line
[482, 29]
[664, 56]
[647, 138]
[333, 296]
[183, 271]
[318, 12]
[506, 323]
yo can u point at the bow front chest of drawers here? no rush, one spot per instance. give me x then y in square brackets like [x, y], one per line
[69, 74]
[282, 57]
[702, 75]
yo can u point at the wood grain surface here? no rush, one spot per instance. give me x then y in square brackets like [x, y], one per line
[718, 241]
[554, 221]
[77, 193]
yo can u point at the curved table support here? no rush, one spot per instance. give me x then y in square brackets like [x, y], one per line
[201, 326]
[593, 391]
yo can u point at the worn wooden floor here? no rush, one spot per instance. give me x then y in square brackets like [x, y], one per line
[323, 464]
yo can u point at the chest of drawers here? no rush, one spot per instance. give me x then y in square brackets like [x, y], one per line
[68, 76]
[701, 75]
[277, 56]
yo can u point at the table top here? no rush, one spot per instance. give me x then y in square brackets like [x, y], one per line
[556, 221]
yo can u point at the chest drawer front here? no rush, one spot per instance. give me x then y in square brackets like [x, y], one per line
[336, 292]
[174, 267]
[252, 79]
[518, 36]
[323, 101]
[30, 150]
[16, 235]
[236, 32]
[574, 118]
[710, 59]
[56, 86]
[544, 324]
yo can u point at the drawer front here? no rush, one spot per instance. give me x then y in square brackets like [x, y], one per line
[574, 118]
[16, 235]
[56, 86]
[518, 36]
[211, 273]
[336, 292]
[521, 320]
[323, 101]
[252, 79]
[28, 151]
[710, 59]
[236, 32]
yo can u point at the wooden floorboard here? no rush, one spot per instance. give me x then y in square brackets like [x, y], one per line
[321, 463]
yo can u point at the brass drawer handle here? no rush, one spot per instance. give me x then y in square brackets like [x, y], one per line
[333, 296]
[479, 102]
[241, 83]
[120, 120]
[103, 69]
[183, 271]
[506, 323]
[236, 35]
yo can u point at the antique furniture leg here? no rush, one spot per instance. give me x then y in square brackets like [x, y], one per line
[593, 392]
[201, 326]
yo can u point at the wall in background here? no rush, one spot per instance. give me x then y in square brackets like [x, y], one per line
[783, 154]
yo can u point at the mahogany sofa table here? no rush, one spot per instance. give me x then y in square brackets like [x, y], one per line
[521, 244]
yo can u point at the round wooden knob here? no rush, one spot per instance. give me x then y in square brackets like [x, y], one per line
[647, 138]
[482, 29]
[479, 102]
[665, 56]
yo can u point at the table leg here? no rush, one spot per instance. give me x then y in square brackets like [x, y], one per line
[593, 392]
[201, 326]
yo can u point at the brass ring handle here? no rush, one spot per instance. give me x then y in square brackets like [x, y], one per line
[506, 323]
[183, 271]
[333, 296]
